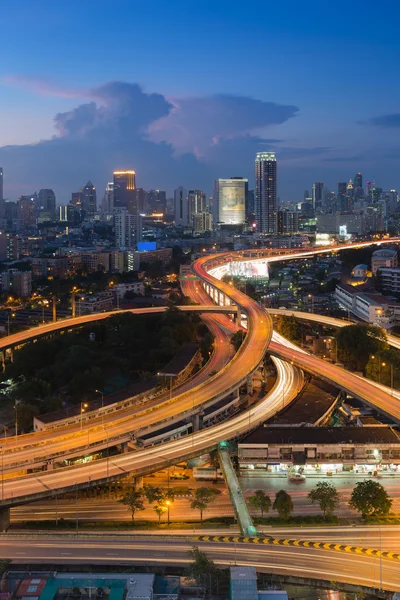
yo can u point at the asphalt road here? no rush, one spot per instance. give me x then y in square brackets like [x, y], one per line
[303, 562]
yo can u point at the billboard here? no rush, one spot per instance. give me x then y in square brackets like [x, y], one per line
[231, 201]
[146, 246]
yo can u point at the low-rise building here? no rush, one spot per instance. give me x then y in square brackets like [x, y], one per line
[368, 305]
[388, 279]
[88, 304]
[19, 282]
[319, 449]
[385, 257]
[137, 287]
[45, 266]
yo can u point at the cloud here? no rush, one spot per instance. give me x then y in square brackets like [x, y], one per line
[385, 121]
[43, 87]
[344, 159]
[166, 142]
[196, 124]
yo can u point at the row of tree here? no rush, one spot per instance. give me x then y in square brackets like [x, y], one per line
[368, 498]
[162, 499]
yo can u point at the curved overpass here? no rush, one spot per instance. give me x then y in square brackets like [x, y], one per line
[231, 376]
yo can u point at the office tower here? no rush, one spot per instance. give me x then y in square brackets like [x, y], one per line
[287, 221]
[46, 205]
[266, 192]
[306, 195]
[108, 201]
[317, 195]
[125, 191]
[229, 200]
[157, 201]
[202, 221]
[141, 200]
[196, 204]
[128, 229]
[181, 206]
[26, 212]
[358, 188]
[89, 200]
[342, 188]
[350, 188]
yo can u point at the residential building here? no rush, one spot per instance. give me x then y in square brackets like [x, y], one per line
[229, 201]
[196, 204]
[45, 266]
[2, 211]
[88, 304]
[128, 229]
[354, 223]
[266, 201]
[137, 287]
[181, 207]
[134, 260]
[19, 282]
[125, 191]
[287, 221]
[388, 279]
[96, 261]
[156, 201]
[385, 257]
[203, 221]
[368, 305]
[26, 212]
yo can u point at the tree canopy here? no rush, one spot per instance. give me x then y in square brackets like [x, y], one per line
[356, 343]
[326, 495]
[283, 504]
[202, 497]
[370, 499]
[134, 500]
[260, 501]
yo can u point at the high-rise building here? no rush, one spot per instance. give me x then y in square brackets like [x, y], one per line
[229, 200]
[181, 206]
[288, 221]
[157, 201]
[250, 204]
[125, 191]
[141, 200]
[108, 201]
[46, 205]
[266, 204]
[202, 221]
[317, 195]
[358, 180]
[128, 229]
[89, 200]
[196, 204]
[26, 212]
[342, 188]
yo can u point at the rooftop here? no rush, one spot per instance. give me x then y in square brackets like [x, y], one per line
[321, 435]
[384, 253]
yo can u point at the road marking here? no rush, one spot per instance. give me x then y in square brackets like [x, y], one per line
[261, 539]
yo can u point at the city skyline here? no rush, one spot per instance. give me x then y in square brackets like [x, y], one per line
[155, 109]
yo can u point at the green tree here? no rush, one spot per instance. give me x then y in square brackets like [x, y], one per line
[202, 497]
[370, 499]
[237, 339]
[326, 495]
[283, 504]
[153, 493]
[159, 509]
[202, 569]
[384, 367]
[356, 343]
[290, 328]
[134, 500]
[260, 501]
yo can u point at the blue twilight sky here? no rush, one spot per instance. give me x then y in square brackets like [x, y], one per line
[187, 91]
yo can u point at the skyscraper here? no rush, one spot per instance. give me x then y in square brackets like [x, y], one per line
[196, 204]
[229, 200]
[124, 191]
[89, 200]
[46, 205]
[358, 188]
[317, 195]
[342, 188]
[181, 206]
[266, 204]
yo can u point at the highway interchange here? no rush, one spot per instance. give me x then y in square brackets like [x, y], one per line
[289, 363]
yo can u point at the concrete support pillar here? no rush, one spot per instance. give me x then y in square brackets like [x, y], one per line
[4, 518]
[236, 394]
[196, 422]
[237, 316]
[138, 483]
[50, 466]
[11, 350]
[250, 384]
[3, 360]
[54, 309]
[124, 448]
[73, 305]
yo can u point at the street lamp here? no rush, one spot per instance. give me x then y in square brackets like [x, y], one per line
[108, 450]
[102, 405]
[312, 302]
[168, 503]
[8, 320]
[83, 406]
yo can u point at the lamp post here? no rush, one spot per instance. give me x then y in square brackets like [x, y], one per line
[83, 406]
[312, 302]
[102, 405]
[9, 322]
[168, 503]
[16, 418]
[108, 451]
